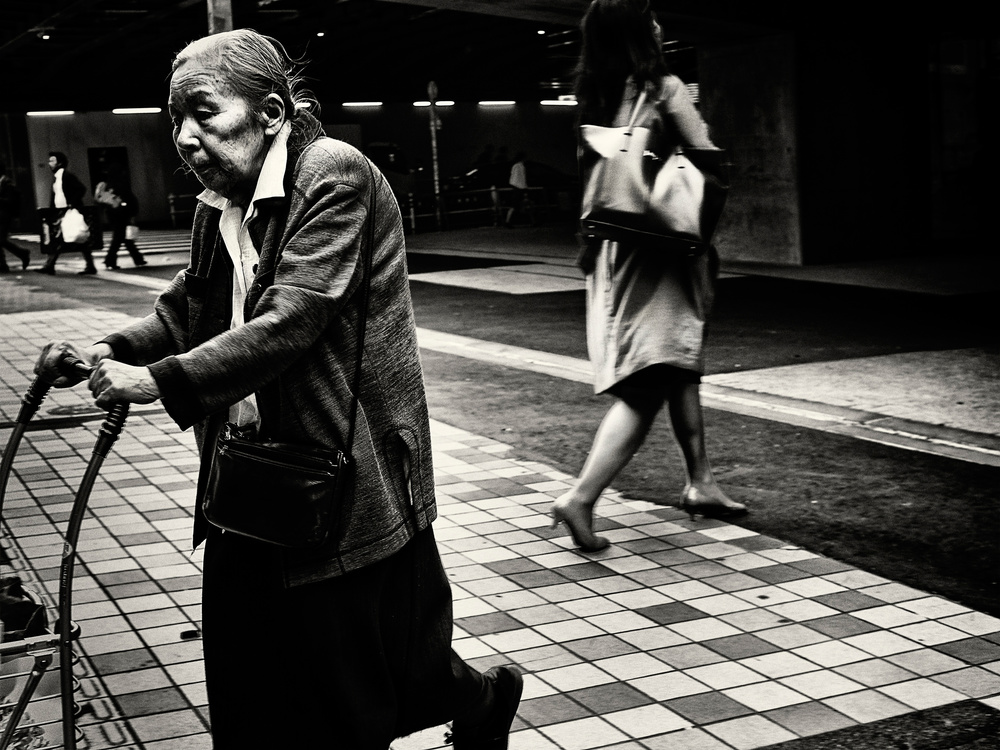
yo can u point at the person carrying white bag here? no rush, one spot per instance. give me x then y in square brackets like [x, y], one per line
[69, 225]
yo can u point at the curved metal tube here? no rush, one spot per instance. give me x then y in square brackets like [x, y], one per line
[70, 367]
[43, 660]
[66, 629]
[37, 392]
[108, 434]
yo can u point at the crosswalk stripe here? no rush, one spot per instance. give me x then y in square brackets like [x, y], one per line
[149, 241]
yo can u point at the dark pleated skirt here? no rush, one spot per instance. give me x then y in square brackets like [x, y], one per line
[350, 662]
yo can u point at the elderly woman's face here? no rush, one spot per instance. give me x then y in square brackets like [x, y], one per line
[216, 132]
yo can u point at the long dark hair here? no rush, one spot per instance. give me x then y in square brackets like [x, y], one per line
[618, 42]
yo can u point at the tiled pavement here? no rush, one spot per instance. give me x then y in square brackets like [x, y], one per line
[688, 635]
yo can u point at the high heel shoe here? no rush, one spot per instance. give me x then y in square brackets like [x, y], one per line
[711, 508]
[579, 529]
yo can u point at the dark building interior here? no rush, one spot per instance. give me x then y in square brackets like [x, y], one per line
[855, 131]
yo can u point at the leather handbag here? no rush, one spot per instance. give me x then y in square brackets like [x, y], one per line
[287, 494]
[634, 194]
[282, 493]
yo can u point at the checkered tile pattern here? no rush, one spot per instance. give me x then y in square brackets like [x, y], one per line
[692, 635]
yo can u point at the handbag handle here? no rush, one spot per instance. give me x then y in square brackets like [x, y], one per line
[633, 116]
[636, 108]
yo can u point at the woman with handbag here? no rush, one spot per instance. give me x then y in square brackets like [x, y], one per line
[121, 207]
[646, 304]
[267, 345]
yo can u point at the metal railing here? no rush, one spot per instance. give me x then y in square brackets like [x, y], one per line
[479, 207]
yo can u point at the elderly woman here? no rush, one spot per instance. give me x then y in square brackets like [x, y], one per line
[262, 329]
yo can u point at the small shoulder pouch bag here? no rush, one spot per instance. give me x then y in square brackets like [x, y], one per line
[287, 494]
[633, 194]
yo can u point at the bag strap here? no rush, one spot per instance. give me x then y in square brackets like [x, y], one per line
[366, 258]
[363, 324]
[637, 108]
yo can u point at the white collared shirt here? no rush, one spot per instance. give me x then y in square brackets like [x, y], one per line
[234, 226]
[57, 190]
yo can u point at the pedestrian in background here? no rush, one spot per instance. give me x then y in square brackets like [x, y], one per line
[520, 200]
[9, 209]
[646, 309]
[121, 206]
[278, 235]
[67, 193]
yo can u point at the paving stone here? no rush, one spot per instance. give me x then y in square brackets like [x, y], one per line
[617, 647]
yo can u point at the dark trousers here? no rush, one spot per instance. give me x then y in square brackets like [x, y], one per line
[351, 662]
[118, 225]
[57, 246]
[6, 244]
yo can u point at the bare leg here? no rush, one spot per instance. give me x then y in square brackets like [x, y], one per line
[684, 403]
[619, 436]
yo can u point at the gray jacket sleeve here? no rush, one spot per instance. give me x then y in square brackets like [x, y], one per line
[319, 253]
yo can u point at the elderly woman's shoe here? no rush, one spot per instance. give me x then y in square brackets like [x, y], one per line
[580, 524]
[716, 505]
[490, 731]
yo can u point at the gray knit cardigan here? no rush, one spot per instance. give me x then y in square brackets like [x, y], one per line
[297, 349]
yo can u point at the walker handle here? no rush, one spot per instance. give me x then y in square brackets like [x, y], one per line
[73, 368]
[69, 366]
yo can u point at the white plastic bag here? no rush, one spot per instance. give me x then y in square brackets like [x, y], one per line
[74, 227]
[131, 232]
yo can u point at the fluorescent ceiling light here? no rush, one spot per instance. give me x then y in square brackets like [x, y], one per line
[438, 103]
[558, 103]
[496, 102]
[52, 113]
[136, 111]
[362, 104]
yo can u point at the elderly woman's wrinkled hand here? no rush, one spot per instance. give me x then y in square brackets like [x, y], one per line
[52, 365]
[113, 382]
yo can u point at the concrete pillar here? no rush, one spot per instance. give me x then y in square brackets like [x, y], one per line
[220, 16]
[748, 97]
[828, 137]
